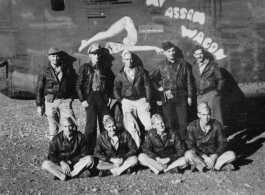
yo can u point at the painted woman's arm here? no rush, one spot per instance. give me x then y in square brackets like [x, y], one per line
[143, 48]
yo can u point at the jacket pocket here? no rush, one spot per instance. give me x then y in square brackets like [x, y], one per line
[128, 92]
[168, 83]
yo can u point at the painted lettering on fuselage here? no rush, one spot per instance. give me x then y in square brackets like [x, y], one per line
[195, 16]
[156, 3]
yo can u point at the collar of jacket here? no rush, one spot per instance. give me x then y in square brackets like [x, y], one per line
[177, 61]
[205, 62]
[107, 137]
[63, 138]
[91, 65]
[135, 67]
[198, 66]
[155, 134]
[127, 69]
[164, 134]
[137, 71]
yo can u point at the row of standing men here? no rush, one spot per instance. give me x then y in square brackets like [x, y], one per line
[173, 78]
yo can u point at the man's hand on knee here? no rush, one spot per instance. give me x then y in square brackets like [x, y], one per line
[163, 161]
[206, 159]
[213, 159]
[65, 167]
[209, 160]
[116, 161]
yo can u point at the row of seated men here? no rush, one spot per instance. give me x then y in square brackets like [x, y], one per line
[116, 152]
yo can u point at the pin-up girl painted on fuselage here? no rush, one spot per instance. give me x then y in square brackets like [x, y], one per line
[129, 41]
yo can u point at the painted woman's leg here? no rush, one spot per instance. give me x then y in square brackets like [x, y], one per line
[113, 30]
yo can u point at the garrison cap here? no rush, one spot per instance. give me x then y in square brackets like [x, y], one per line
[94, 48]
[53, 50]
[202, 106]
[167, 45]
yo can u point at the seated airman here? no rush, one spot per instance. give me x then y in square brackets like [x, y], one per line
[69, 155]
[162, 149]
[207, 143]
[115, 149]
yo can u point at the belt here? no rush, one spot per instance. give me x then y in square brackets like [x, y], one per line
[132, 98]
[96, 89]
[206, 90]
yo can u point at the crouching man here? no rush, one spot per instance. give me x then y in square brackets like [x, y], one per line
[68, 155]
[207, 143]
[162, 149]
[115, 149]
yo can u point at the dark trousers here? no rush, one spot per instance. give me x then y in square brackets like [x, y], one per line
[96, 110]
[175, 113]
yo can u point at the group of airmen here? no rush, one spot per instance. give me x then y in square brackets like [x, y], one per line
[167, 143]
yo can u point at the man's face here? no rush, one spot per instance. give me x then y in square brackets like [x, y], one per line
[54, 59]
[199, 55]
[127, 60]
[159, 125]
[67, 128]
[111, 128]
[170, 54]
[94, 57]
[205, 116]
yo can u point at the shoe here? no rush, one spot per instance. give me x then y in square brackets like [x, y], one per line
[55, 178]
[204, 169]
[104, 173]
[84, 174]
[129, 171]
[192, 168]
[174, 170]
[158, 173]
[101, 174]
[228, 167]
[214, 169]
[65, 179]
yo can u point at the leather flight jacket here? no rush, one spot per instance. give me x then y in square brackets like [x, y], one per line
[85, 81]
[214, 142]
[139, 88]
[178, 81]
[48, 84]
[104, 150]
[173, 148]
[63, 150]
[210, 79]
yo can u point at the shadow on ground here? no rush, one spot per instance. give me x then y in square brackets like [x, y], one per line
[245, 133]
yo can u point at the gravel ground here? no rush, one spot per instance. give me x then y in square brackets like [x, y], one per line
[24, 146]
